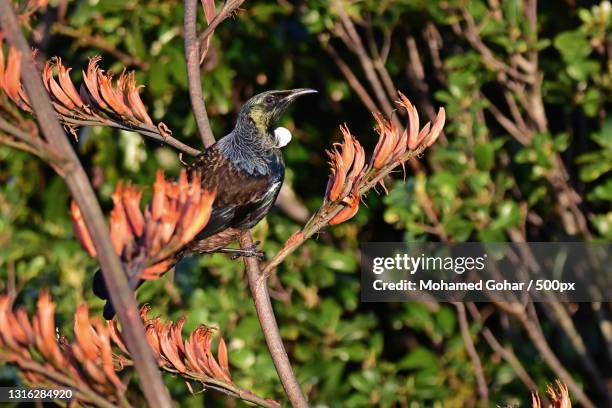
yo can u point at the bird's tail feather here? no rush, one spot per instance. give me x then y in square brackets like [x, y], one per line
[100, 290]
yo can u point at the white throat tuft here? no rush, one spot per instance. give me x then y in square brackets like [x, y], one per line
[283, 136]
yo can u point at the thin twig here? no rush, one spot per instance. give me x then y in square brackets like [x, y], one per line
[60, 379]
[288, 202]
[78, 183]
[377, 60]
[84, 38]
[483, 390]
[30, 144]
[348, 34]
[350, 77]
[539, 341]
[230, 389]
[505, 352]
[143, 129]
[259, 288]
[228, 8]
[192, 58]
[416, 73]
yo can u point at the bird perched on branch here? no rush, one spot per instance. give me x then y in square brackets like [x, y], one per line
[246, 169]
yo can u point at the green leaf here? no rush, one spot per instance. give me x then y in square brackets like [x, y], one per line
[419, 358]
[582, 69]
[573, 45]
[593, 171]
[484, 155]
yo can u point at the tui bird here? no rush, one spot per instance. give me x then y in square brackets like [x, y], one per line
[246, 168]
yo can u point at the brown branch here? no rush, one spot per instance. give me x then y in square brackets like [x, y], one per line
[521, 136]
[348, 34]
[605, 326]
[505, 352]
[78, 183]
[483, 391]
[258, 283]
[228, 8]
[143, 129]
[30, 144]
[472, 35]
[416, 73]
[84, 38]
[567, 324]
[192, 58]
[377, 60]
[229, 389]
[289, 203]
[538, 339]
[350, 77]
[57, 378]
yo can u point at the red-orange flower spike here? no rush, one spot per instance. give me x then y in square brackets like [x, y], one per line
[347, 212]
[358, 163]
[53, 87]
[91, 82]
[105, 84]
[348, 148]
[168, 225]
[120, 232]
[338, 176]
[222, 356]
[134, 101]
[12, 76]
[560, 396]
[193, 226]
[67, 85]
[436, 128]
[22, 318]
[386, 142]
[15, 329]
[106, 356]
[153, 272]
[413, 122]
[131, 201]
[168, 349]
[158, 207]
[80, 230]
[83, 333]
[46, 324]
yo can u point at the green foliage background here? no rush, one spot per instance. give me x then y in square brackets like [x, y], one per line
[482, 183]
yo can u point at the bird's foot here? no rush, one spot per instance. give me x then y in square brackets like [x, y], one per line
[249, 252]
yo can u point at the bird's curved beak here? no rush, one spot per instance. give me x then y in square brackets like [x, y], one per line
[294, 93]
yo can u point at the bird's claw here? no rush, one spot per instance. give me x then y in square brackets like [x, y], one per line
[248, 252]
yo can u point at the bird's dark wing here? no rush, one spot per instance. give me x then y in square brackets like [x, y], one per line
[242, 199]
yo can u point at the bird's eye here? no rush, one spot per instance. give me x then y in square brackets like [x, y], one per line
[268, 100]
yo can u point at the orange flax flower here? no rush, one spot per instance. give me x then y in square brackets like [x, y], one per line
[177, 213]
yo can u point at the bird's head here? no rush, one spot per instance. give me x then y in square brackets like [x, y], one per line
[265, 109]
